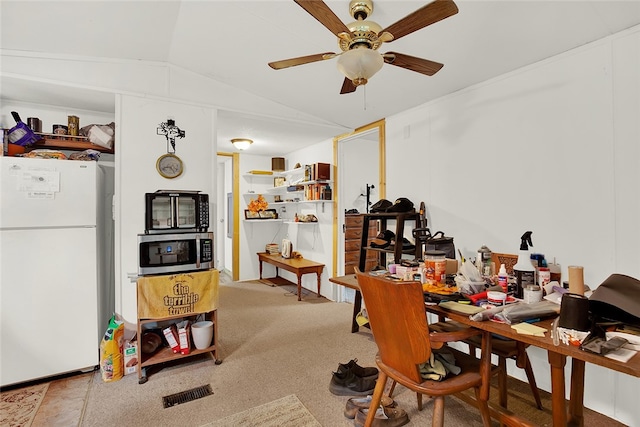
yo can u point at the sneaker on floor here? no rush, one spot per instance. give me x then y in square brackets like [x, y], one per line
[355, 403]
[348, 384]
[385, 417]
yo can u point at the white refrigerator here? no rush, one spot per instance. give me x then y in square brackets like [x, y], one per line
[56, 291]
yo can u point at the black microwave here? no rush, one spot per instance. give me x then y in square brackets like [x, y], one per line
[170, 211]
[174, 253]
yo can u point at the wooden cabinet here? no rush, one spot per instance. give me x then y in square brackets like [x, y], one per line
[353, 241]
[167, 299]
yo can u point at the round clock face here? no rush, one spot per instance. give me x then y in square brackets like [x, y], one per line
[169, 166]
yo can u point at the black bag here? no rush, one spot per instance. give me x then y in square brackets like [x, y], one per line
[435, 242]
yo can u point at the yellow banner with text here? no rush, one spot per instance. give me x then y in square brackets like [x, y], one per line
[177, 294]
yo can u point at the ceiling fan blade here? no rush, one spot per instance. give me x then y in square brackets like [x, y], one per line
[347, 86]
[426, 15]
[419, 65]
[319, 10]
[292, 62]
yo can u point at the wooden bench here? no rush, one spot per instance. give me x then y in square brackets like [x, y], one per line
[299, 266]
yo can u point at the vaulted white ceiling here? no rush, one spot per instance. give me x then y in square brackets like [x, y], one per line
[232, 42]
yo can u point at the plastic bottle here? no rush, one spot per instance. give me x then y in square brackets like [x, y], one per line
[483, 261]
[524, 270]
[503, 278]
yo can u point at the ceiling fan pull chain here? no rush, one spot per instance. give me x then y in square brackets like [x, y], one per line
[364, 98]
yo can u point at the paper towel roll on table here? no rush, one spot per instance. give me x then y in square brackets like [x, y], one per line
[576, 279]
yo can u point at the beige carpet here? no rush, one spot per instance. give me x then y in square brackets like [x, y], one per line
[285, 412]
[18, 407]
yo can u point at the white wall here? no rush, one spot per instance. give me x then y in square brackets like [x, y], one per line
[136, 156]
[553, 148]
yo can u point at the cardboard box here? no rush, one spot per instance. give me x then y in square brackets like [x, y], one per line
[171, 335]
[130, 352]
[184, 336]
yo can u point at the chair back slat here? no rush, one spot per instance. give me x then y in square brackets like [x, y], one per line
[398, 322]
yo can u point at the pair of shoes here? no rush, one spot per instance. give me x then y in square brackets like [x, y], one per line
[359, 371]
[385, 417]
[356, 403]
[346, 383]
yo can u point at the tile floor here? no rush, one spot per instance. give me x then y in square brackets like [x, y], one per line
[64, 402]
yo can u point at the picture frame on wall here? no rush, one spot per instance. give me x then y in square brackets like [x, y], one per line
[268, 214]
[251, 215]
[279, 181]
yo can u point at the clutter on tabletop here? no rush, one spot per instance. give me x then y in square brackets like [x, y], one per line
[517, 312]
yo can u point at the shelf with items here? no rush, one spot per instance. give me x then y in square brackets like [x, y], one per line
[168, 299]
[166, 354]
[67, 142]
[397, 250]
[305, 191]
[262, 176]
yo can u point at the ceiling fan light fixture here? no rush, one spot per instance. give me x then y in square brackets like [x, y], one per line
[241, 143]
[360, 64]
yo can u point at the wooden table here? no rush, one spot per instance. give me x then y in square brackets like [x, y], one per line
[350, 281]
[299, 266]
[556, 355]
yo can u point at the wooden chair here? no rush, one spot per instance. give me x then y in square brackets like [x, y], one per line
[504, 349]
[399, 325]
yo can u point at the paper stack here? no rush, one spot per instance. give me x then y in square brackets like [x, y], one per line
[529, 329]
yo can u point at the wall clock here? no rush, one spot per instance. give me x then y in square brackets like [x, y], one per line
[169, 166]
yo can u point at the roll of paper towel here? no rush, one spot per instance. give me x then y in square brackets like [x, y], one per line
[576, 279]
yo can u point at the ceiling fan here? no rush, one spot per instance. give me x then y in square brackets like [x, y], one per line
[360, 40]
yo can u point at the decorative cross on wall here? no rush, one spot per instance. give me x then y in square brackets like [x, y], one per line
[171, 132]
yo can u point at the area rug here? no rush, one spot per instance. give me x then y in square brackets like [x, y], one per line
[18, 407]
[285, 412]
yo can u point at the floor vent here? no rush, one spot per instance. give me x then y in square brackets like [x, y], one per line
[187, 396]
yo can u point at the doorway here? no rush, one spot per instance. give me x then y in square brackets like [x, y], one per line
[227, 230]
[360, 162]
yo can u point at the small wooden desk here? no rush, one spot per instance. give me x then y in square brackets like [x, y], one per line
[299, 266]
